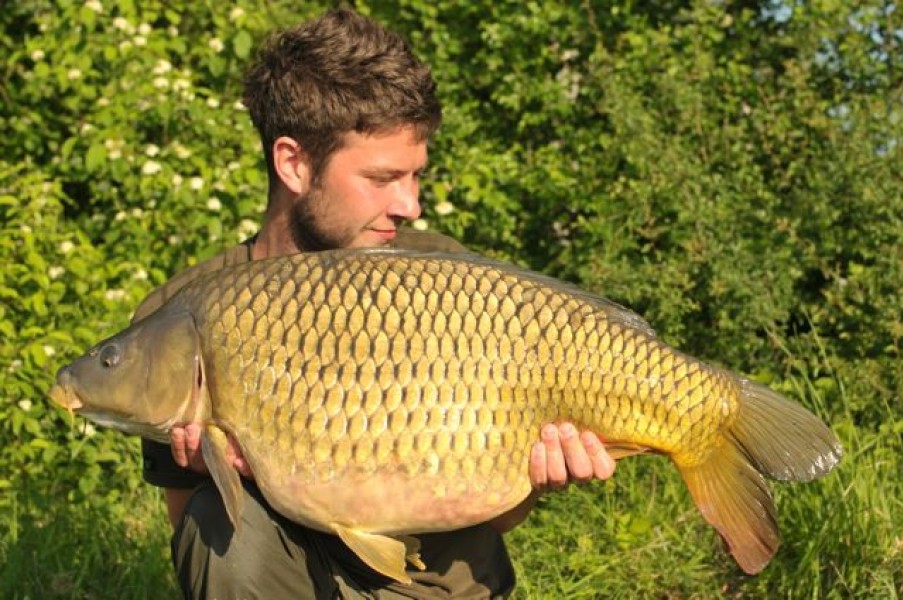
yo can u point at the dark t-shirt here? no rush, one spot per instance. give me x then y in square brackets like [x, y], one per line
[460, 563]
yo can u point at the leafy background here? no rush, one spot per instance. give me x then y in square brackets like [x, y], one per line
[730, 170]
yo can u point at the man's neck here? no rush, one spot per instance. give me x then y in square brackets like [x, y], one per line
[269, 244]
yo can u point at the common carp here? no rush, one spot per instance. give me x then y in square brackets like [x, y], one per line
[380, 393]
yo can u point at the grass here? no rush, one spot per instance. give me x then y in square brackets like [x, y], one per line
[88, 551]
[636, 536]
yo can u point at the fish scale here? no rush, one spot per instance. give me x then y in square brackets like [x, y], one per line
[443, 322]
[379, 393]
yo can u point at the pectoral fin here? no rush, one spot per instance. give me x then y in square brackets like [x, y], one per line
[382, 553]
[213, 446]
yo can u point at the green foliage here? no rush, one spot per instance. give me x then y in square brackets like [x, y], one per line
[732, 171]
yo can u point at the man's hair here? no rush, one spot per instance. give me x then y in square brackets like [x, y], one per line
[338, 73]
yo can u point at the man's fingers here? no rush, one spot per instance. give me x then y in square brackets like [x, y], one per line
[177, 445]
[539, 476]
[577, 461]
[185, 444]
[193, 448]
[237, 459]
[556, 468]
[603, 464]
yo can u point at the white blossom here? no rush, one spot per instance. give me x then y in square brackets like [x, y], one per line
[55, 271]
[114, 295]
[94, 5]
[239, 105]
[233, 165]
[49, 350]
[37, 55]
[214, 204]
[196, 183]
[124, 45]
[74, 74]
[103, 101]
[137, 213]
[139, 40]
[444, 208]
[152, 150]
[162, 67]
[15, 364]
[420, 224]
[172, 31]
[120, 216]
[122, 24]
[247, 228]
[151, 167]
[66, 247]
[180, 150]
[25, 405]
[176, 180]
[140, 275]
[173, 240]
[181, 84]
[144, 29]
[160, 82]
[212, 102]
[236, 13]
[216, 44]
[90, 430]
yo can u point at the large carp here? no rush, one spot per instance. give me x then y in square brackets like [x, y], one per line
[379, 393]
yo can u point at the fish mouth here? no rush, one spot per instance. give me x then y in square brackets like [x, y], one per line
[63, 393]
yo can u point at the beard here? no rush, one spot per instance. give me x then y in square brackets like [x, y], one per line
[307, 228]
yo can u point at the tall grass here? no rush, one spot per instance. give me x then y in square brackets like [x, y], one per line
[52, 550]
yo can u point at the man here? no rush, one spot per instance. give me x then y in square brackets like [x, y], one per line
[344, 112]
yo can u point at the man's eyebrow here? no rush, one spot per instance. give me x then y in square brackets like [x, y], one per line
[393, 171]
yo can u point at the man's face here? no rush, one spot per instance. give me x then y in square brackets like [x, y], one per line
[366, 190]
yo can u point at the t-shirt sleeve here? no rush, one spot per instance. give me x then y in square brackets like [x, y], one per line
[160, 468]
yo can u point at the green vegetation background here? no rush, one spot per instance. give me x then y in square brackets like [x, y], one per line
[731, 170]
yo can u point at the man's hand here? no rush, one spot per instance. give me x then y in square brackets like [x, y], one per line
[185, 443]
[563, 456]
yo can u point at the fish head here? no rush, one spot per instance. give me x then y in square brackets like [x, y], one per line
[141, 381]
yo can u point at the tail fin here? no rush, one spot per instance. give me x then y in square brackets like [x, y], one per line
[771, 436]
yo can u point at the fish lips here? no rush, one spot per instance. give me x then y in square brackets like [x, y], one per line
[63, 391]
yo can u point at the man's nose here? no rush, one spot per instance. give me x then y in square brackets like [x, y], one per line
[406, 202]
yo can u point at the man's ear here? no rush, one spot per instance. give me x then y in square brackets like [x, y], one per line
[292, 165]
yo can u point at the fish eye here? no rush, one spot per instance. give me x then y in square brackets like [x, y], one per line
[109, 355]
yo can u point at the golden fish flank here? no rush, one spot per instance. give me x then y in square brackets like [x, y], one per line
[379, 393]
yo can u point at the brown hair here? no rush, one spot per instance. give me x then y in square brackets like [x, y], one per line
[338, 73]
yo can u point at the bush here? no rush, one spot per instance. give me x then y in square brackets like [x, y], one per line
[731, 171]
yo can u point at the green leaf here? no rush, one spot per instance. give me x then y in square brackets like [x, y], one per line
[95, 157]
[241, 44]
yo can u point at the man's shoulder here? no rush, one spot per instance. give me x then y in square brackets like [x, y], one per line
[158, 297]
[412, 239]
